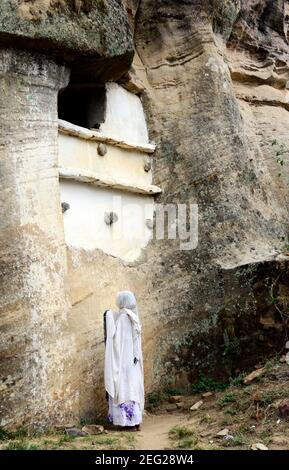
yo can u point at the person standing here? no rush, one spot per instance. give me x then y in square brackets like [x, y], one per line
[123, 371]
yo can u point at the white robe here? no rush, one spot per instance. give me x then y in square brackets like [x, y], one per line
[124, 379]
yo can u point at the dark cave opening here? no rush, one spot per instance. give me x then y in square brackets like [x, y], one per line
[83, 105]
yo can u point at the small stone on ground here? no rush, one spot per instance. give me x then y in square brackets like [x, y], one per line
[254, 375]
[93, 429]
[222, 433]
[196, 406]
[75, 432]
[259, 446]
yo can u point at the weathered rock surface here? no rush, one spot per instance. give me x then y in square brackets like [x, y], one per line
[93, 36]
[223, 433]
[214, 82]
[171, 407]
[35, 342]
[76, 432]
[253, 375]
[259, 446]
[215, 76]
[175, 398]
[196, 405]
[42, 43]
[207, 395]
[93, 429]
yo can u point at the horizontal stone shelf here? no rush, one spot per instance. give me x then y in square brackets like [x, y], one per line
[66, 127]
[83, 176]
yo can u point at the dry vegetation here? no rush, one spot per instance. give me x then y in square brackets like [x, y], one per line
[250, 413]
[25, 440]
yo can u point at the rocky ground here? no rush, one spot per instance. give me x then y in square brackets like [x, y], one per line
[252, 416]
[252, 412]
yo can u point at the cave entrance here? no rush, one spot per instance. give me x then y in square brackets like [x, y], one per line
[83, 105]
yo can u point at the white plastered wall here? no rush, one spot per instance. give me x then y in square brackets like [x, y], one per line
[85, 226]
[124, 116]
[84, 221]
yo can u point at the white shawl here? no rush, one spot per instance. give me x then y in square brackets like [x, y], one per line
[123, 378]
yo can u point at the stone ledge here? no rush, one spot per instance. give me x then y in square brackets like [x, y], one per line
[68, 128]
[83, 176]
[70, 30]
[92, 37]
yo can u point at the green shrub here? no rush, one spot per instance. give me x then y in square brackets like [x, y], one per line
[4, 435]
[226, 399]
[238, 380]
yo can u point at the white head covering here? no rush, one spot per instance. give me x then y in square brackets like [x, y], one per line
[126, 300]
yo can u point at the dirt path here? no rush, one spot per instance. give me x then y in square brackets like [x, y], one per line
[154, 431]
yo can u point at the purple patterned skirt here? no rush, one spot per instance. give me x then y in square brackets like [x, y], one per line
[125, 414]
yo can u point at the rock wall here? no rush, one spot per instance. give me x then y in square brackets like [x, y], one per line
[40, 384]
[34, 339]
[215, 77]
[212, 76]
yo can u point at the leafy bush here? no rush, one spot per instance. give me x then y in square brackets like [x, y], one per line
[226, 399]
[154, 400]
[238, 380]
[4, 435]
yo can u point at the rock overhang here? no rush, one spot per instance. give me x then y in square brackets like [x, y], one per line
[92, 36]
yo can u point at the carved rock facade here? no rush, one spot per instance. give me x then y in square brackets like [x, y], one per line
[213, 77]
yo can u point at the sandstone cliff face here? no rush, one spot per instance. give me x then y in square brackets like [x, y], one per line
[39, 383]
[216, 97]
[213, 79]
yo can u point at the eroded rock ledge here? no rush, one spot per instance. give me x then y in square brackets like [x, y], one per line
[92, 35]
